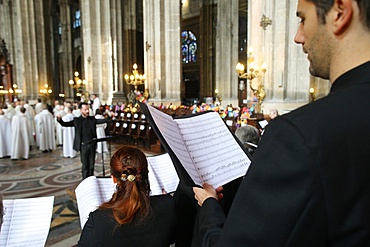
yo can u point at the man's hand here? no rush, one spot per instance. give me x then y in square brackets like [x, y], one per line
[208, 191]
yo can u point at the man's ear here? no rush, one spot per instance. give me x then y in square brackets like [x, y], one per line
[343, 12]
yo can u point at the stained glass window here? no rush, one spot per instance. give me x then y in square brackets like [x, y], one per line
[77, 19]
[189, 47]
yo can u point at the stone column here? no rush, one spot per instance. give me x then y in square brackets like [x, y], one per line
[105, 84]
[162, 56]
[66, 70]
[227, 51]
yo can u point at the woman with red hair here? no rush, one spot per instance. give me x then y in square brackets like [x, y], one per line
[131, 217]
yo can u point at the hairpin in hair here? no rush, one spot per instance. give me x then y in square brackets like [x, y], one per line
[125, 177]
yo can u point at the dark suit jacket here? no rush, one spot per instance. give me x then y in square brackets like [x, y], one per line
[156, 231]
[309, 181]
[78, 124]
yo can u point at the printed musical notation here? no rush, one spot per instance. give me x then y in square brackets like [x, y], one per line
[162, 174]
[204, 145]
[170, 132]
[91, 193]
[26, 221]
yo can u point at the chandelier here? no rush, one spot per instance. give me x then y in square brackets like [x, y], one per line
[253, 71]
[135, 79]
[77, 83]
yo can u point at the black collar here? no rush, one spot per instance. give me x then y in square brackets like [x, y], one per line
[358, 75]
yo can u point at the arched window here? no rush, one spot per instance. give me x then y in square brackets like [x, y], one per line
[189, 47]
[77, 19]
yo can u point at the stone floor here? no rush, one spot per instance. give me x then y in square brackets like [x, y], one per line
[45, 174]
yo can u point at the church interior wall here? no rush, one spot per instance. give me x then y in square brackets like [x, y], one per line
[115, 34]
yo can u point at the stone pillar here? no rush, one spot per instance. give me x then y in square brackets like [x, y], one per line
[65, 57]
[105, 84]
[207, 30]
[97, 43]
[227, 51]
[162, 56]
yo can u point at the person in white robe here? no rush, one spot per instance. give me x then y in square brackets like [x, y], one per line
[67, 105]
[30, 113]
[76, 111]
[45, 130]
[100, 133]
[96, 103]
[20, 136]
[17, 106]
[58, 110]
[39, 106]
[5, 135]
[9, 111]
[68, 135]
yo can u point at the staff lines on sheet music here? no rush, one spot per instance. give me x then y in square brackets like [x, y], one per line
[30, 229]
[172, 138]
[222, 169]
[182, 155]
[230, 176]
[167, 171]
[204, 135]
[211, 160]
[210, 141]
[215, 150]
[207, 129]
[168, 128]
[35, 242]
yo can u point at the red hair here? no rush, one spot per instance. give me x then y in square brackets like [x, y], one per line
[131, 197]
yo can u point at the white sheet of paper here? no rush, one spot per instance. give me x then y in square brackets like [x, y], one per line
[91, 193]
[215, 152]
[263, 123]
[26, 221]
[162, 174]
[204, 146]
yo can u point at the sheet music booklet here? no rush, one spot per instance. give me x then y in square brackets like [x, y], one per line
[26, 222]
[201, 146]
[93, 191]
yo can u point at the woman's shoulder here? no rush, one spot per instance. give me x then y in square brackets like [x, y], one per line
[162, 202]
[101, 214]
[161, 198]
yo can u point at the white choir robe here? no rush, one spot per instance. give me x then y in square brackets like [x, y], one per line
[68, 137]
[10, 112]
[76, 112]
[20, 137]
[39, 107]
[100, 133]
[5, 136]
[45, 130]
[30, 113]
[58, 127]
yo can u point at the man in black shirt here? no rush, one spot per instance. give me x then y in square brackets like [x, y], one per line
[85, 133]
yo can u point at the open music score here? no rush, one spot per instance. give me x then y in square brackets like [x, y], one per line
[26, 221]
[204, 146]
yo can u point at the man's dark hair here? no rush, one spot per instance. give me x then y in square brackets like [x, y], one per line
[82, 103]
[323, 7]
[23, 110]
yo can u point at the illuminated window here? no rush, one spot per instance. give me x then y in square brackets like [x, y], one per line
[77, 19]
[189, 47]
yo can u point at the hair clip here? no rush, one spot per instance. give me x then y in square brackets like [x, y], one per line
[125, 177]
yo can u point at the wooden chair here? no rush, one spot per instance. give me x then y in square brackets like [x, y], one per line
[145, 135]
[133, 129]
[125, 131]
